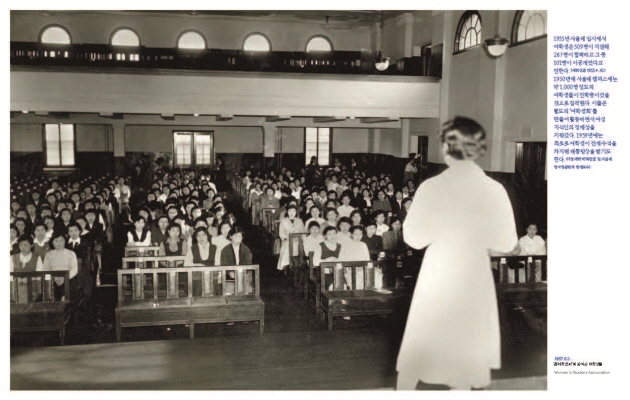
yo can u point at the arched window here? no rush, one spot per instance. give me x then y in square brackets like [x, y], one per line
[125, 37]
[468, 32]
[528, 25]
[55, 34]
[191, 40]
[256, 42]
[319, 43]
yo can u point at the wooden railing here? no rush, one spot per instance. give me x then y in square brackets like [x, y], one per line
[103, 55]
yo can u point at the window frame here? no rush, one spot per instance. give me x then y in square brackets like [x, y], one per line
[330, 140]
[460, 26]
[257, 51]
[205, 41]
[193, 154]
[59, 167]
[514, 34]
[332, 48]
[45, 28]
[124, 28]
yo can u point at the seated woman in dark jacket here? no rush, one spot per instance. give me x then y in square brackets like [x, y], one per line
[236, 253]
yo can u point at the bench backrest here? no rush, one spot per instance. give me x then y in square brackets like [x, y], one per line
[355, 274]
[140, 251]
[296, 247]
[215, 281]
[531, 264]
[37, 282]
[267, 216]
[153, 262]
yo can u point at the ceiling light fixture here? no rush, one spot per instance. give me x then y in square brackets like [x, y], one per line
[497, 45]
[381, 63]
[196, 115]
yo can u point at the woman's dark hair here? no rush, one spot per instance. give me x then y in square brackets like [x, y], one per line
[25, 238]
[224, 223]
[355, 227]
[312, 224]
[328, 229]
[196, 232]
[356, 212]
[332, 209]
[290, 207]
[14, 228]
[40, 223]
[344, 220]
[171, 226]
[164, 216]
[199, 219]
[235, 229]
[137, 218]
[377, 213]
[392, 221]
[54, 237]
[471, 130]
[315, 206]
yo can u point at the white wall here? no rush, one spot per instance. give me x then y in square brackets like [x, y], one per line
[163, 30]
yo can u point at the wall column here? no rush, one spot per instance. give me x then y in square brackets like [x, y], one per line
[404, 139]
[270, 139]
[118, 133]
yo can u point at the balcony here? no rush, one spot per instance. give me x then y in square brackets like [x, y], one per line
[107, 56]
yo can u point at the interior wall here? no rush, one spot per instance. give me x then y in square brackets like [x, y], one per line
[220, 33]
[26, 138]
[159, 138]
[508, 95]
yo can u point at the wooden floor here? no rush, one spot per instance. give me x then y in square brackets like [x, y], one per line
[296, 352]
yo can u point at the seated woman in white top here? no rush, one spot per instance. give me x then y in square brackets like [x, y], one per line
[288, 225]
[355, 250]
[529, 245]
[313, 239]
[140, 236]
[221, 240]
[345, 209]
[381, 226]
[60, 259]
[315, 213]
[344, 236]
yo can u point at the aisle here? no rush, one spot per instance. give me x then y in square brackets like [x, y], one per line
[295, 352]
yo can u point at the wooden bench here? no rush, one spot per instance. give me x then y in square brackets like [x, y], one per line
[296, 256]
[534, 268]
[153, 262]
[226, 296]
[360, 288]
[141, 251]
[266, 218]
[33, 313]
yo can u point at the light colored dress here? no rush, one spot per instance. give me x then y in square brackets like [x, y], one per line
[452, 335]
[286, 228]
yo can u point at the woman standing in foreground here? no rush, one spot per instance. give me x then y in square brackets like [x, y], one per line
[452, 335]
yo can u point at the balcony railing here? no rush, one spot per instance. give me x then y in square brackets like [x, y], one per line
[102, 55]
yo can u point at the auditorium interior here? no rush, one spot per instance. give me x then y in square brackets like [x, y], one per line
[96, 96]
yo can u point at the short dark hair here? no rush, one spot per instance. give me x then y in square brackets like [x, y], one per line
[25, 238]
[235, 229]
[55, 236]
[328, 229]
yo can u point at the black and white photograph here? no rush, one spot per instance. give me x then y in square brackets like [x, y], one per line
[279, 200]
